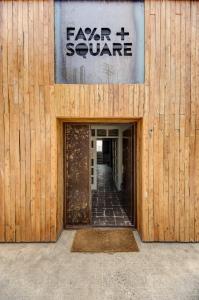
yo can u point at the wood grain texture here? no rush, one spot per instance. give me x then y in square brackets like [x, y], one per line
[32, 109]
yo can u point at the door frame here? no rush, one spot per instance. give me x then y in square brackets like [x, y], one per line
[137, 190]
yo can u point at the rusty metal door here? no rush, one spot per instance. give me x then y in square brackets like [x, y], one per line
[77, 206]
[127, 182]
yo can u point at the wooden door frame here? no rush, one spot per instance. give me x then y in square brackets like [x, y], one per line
[136, 168]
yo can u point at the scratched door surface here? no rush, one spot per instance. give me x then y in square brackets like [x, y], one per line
[77, 188]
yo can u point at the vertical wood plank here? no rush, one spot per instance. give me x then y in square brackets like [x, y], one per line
[30, 132]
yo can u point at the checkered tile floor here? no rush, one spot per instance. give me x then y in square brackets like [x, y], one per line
[107, 206]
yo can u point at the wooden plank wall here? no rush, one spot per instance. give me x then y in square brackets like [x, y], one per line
[31, 108]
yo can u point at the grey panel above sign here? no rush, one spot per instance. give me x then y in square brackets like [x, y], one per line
[99, 41]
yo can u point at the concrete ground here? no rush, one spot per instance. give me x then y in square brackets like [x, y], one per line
[49, 271]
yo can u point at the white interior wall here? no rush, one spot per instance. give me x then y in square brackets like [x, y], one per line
[120, 128]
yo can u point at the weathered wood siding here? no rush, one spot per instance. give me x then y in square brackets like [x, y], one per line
[31, 107]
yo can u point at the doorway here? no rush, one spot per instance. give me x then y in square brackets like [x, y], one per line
[99, 175]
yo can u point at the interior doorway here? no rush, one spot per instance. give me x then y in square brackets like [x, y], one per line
[99, 175]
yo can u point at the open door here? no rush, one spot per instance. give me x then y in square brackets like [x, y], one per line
[77, 206]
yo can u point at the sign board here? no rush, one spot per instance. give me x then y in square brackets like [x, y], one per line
[99, 41]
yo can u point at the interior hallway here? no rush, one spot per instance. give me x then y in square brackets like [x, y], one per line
[108, 207]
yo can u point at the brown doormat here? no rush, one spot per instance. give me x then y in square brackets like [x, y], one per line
[104, 240]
